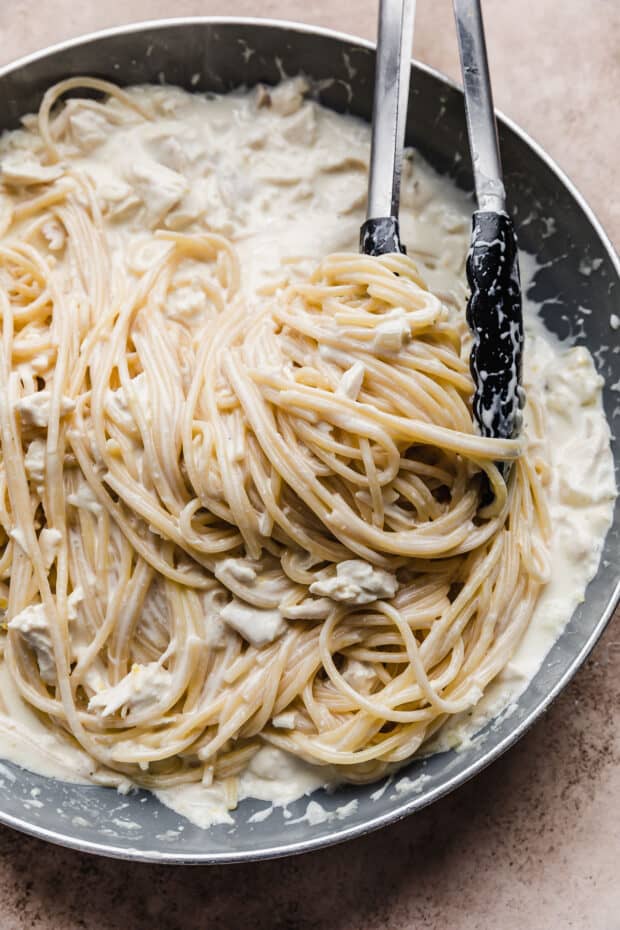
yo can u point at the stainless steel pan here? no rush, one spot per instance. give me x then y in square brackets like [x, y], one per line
[220, 54]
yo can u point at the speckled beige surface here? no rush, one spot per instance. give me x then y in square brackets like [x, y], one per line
[533, 843]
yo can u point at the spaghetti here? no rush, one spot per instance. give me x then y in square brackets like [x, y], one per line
[259, 523]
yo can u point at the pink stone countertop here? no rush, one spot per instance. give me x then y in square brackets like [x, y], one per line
[532, 843]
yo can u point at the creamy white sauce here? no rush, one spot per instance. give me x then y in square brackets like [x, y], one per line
[272, 775]
[287, 183]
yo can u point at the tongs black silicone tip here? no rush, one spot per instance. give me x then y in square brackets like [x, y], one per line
[495, 319]
[380, 236]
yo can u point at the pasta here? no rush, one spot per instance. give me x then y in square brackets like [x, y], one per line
[267, 523]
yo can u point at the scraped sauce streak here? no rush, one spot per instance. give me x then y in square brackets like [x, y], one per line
[288, 184]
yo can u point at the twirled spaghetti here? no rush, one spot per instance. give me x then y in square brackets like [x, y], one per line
[260, 522]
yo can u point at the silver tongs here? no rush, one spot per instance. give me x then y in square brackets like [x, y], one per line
[380, 233]
[494, 308]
